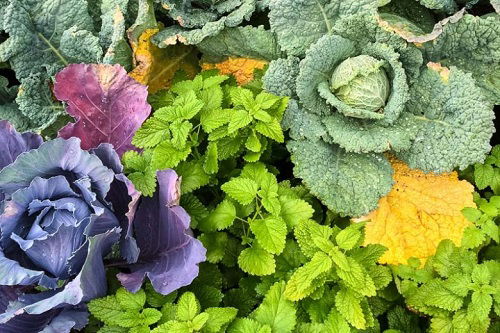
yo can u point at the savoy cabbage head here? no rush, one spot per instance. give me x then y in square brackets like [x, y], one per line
[368, 79]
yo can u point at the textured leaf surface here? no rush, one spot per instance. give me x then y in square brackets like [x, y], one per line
[245, 42]
[456, 121]
[473, 44]
[276, 311]
[298, 24]
[156, 67]
[241, 68]
[420, 211]
[348, 183]
[107, 104]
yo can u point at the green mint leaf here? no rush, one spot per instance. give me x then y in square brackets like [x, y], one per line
[219, 318]
[180, 132]
[166, 155]
[229, 146]
[270, 233]
[256, 261]
[220, 218]
[211, 163]
[150, 316]
[348, 238]
[276, 311]
[106, 309]
[173, 326]
[215, 243]
[213, 119]
[266, 100]
[130, 301]
[242, 97]
[193, 176]
[187, 307]
[239, 119]
[294, 211]
[253, 143]
[483, 175]
[113, 329]
[215, 80]
[145, 182]
[199, 321]
[254, 171]
[349, 306]
[299, 285]
[152, 132]
[272, 130]
[242, 190]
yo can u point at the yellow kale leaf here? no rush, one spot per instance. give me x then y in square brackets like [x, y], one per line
[421, 210]
[241, 68]
[155, 67]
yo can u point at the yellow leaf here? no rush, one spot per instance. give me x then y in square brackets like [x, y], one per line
[241, 68]
[421, 210]
[155, 67]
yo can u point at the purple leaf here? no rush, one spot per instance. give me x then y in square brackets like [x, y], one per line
[108, 105]
[169, 255]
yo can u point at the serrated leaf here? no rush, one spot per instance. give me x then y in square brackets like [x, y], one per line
[106, 309]
[220, 218]
[256, 261]
[144, 182]
[215, 243]
[483, 175]
[211, 163]
[242, 190]
[270, 233]
[199, 321]
[130, 301]
[294, 211]
[229, 146]
[180, 132]
[166, 155]
[276, 311]
[253, 143]
[299, 284]
[193, 176]
[184, 107]
[219, 317]
[187, 307]
[346, 239]
[350, 308]
[242, 97]
[239, 119]
[150, 316]
[152, 132]
[213, 119]
[173, 326]
[271, 129]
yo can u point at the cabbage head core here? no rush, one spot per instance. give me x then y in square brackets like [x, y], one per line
[361, 82]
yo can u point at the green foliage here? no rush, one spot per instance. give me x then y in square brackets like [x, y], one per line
[199, 124]
[140, 311]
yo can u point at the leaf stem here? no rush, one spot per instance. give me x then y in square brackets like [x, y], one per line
[56, 51]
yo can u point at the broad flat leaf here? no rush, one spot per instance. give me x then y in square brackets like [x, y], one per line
[271, 233]
[241, 189]
[241, 68]
[256, 261]
[156, 67]
[107, 104]
[276, 311]
[421, 210]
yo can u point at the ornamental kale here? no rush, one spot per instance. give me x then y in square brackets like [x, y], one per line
[62, 210]
[56, 226]
[198, 19]
[361, 89]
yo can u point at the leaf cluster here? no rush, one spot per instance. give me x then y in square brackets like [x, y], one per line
[199, 123]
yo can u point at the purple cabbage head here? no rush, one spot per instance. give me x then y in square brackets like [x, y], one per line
[62, 209]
